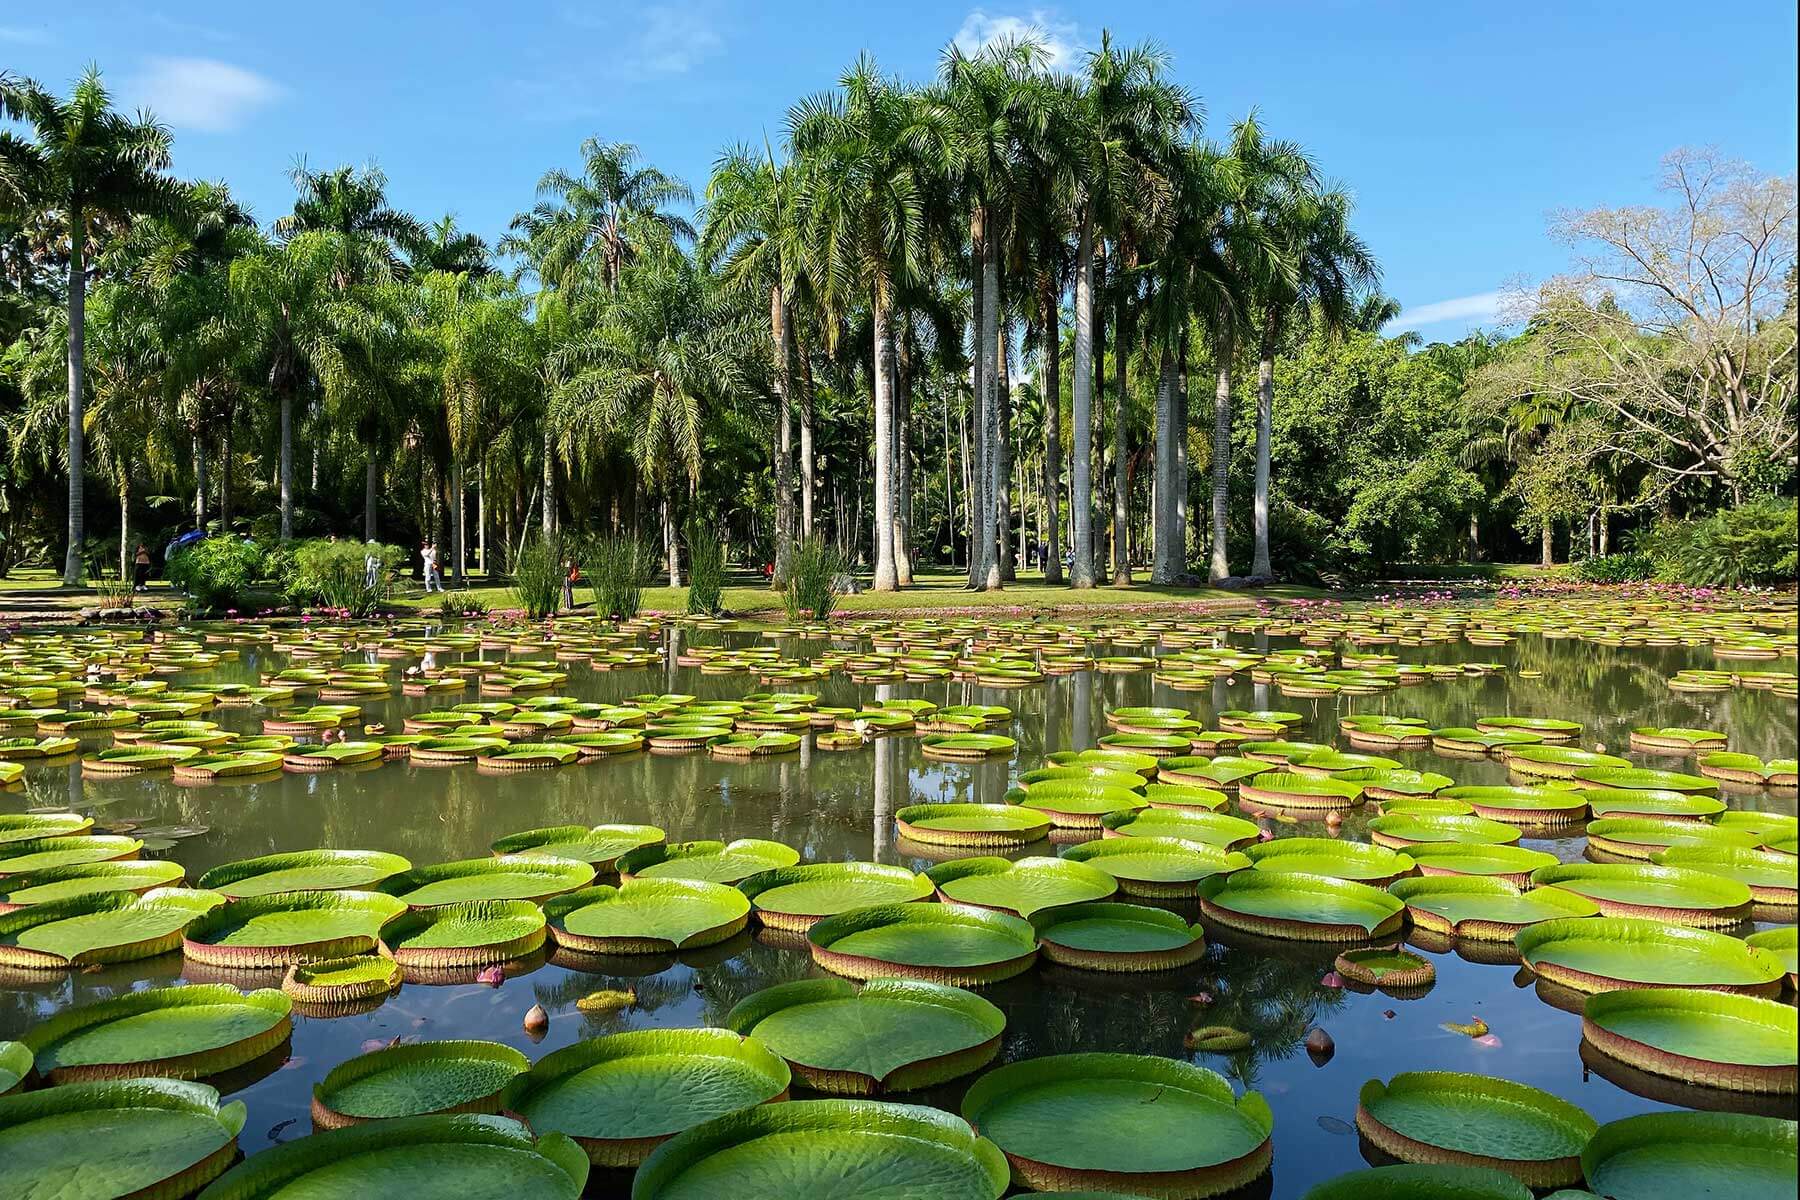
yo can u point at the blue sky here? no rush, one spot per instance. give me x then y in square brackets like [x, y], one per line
[1458, 126]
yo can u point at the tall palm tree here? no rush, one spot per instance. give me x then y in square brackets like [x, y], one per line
[596, 222]
[353, 204]
[94, 168]
[446, 247]
[863, 209]
[1324, 267]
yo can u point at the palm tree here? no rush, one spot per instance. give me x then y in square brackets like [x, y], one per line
[96, 169]
[1323, 269]
[600, 219]
[863, 210]
[352, 204]
[446, 247]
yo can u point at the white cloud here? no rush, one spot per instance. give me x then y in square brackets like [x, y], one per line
[1483, 308]
[1060, 39]
[652, 41]
[201, 94]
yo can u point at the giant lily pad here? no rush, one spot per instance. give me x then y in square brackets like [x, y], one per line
[1664, 893]
[1677, 1155]
[1021, 887]
[1522, 805]
[954, 944]
[303, 871]
[1291, 904]
[1784, 943]
[84, 879]
[1106, 936]
[507, 877]
[1559, 762]
[178, 1032]
[1202, 828]
[890, 1035]
[647, 916]
[1484, 908]
[290, 927]
[1152, 1125]
[619, 1096]
[825, 1148]
[1712, 1039]
[1327, 856]
[416, 1080]
[1164, 868]
[1423, 1181]
[1074, 805]
[103, 927]
[1650, 802]
[1287, 789]
[20, 827]
[1225, 772]
[1453, 1118]
[1599, 954]
[711, 862]
[472, 933]
[341, 986]
[1640, 837]
[36, 854]
[1395, 783]
[1400, 831]
[15, 1066]
[470, 1156]
[1644, 777]
[794, 897]
[1773, 878]
[600, 846]
[971, 824]
[128, 1137]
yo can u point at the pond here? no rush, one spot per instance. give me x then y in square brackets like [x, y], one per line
[839, 806]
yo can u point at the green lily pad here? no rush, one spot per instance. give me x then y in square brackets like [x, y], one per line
[890, 1035]
[971, 824]
[954, 944]
[1182, 796]
[102, 927]
[1522, 805]
[1772, 877]
[710, 862]
[1287, 789]
[132, 1137]
[1560, 762]
[1420, 1181]
[1598, 954]
[1079, 773]
[508, 877]
[84, 879]
[1224, 771]
[1107, 936]
[1156, 867]
[1021, 887]
[794, 897]
[1476, 1120]
[20, 827]
[416, 1080]
[303, 871]
[1202, 828]
[647, 916]
[1644, 777]
[1640, 837]
[825, 1148]
[1637, 890]
[290, 927]
[470, 1156]
[618, 1096]
[15, 1066]
[176, 1032]
[1094, 1120]
[1400, 831]
[468, 934]
[1678, 1155]
[1383, 783]
[37, 854]
[1076, 805]
[1484, 908]
[1697, 1037]
[599, 845]
[1328, 856]
[1650, 802]
[1783, 942]
[1291, 904]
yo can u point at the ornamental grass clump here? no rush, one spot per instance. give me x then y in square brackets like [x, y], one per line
[618, 567]
[706, 570]
[538, 578]
[815, 569]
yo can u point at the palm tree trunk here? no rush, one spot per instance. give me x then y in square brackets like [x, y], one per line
[1548, 538]
[1081, 480]
[459, 534]
[1121, 575]
[987, 482]
[903, 377]
[1103, 502]
[780, 316]
[885, 578]
[1052, 341]
[1265, 428]
[671, 550]
[549, 523]
[1178, 500]
[481, 522]
[287, 463]
[1220, 567]
[371, 495]
[199, 482]
[807, 487]
[124, 525]
[1002, 453]
[980, 510]
[74, 568]
[1164, 565]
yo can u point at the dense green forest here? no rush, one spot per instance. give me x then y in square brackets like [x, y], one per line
[938, 323]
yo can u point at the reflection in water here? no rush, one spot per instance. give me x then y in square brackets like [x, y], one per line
[836, 806]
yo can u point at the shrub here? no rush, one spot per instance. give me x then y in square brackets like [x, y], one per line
[115, 593]
[217, 572]
[538, 577]
[456, 605]
[1754, 544]
[334, 574]
[706, 569]
[1616, 568]
[618, 567]
[814, 571]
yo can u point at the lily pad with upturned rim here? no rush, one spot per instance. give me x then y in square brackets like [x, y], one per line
[1651, 802]
[1076, 805]
[621, 1095]
[127, 1137]
[1202, 828]
[1160, 868]
[1645, 777]
[1662, 893]
[1484, 909]
[103, 927]
[1393, 969]
[1402, 832]
[1772, 878]
[1456, 1119]
[339, 986]
[1115, 937]
[19, 827]
[1291, 904]
[1374, 865]
[506, 877]
[415, 1080]
[470, 934]
[647, 916]
[1421, 1181]
[1599, 954]
[1784, 943]
[1640, 837]
[1522, 805]
[173, 1032]
[707, 861]
[1023, 886]
[290, 927]
[84, 879]
[955, 944]
[971, 824]
[37, 854]
[1153, 1125]
[889, 1035]
[15, 1066]
[303, 871]
[1709, 1039]
[794, 897]
[599, 846]
[1676, 1155]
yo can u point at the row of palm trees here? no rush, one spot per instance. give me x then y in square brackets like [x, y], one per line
[897, 238]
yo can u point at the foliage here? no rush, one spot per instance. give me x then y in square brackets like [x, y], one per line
[1629, 567]
[456, 605]
[115, 593]
[814, 573]
[618, 566]
[332, 574]
[706, 568]
[218, 572]
[538, 575]
[1756, 544]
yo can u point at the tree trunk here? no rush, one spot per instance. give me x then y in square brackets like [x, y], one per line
[885, 578]
[1605, 531]
[1052, 382]
[199, 482]
[287, 464]
[1001, 470]
[780, 316]
[481, 522]
[1548, 539]
[1178, 502]
[74, 567]
[1220, 567]
[671, 550]
[1265, 430]
[806, 446]
[549, 523]
[225, 477]
[1121, 575]
[125, 555]
[1103, 536]
[459, 533]
[987, 323]
[903, 377]
[1081, 481]
[371, 496]
[1164, 532]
